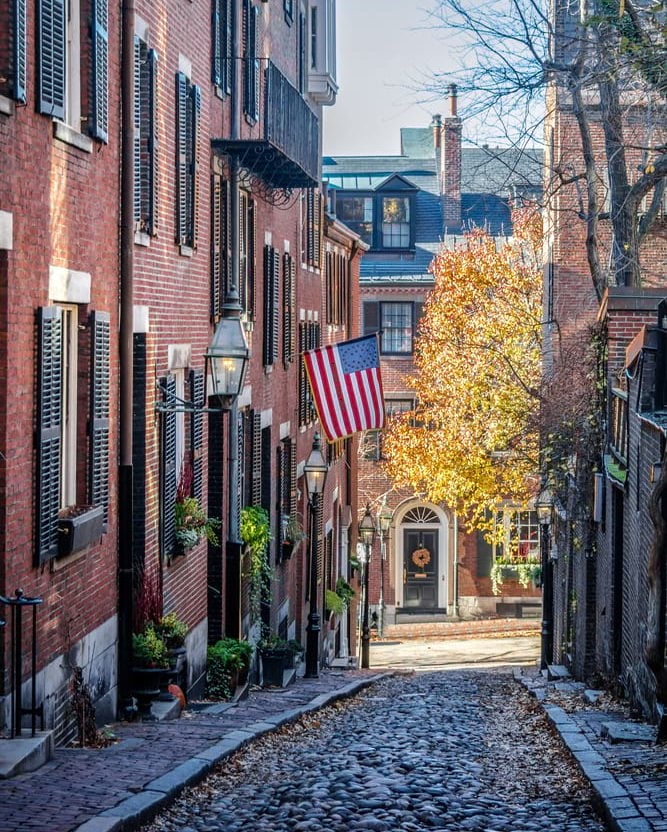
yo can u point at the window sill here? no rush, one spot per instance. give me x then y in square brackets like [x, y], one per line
[142, 239]
[68, 135]
[7, 106]
[186, 251]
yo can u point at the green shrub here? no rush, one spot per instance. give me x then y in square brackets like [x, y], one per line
[225, 659]
[172, 630]
[149, 649]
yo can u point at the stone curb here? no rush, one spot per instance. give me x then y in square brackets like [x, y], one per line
[617, 807]
[140, 808]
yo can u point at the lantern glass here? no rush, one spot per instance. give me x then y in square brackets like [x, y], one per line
[227, 356]
[315, 468]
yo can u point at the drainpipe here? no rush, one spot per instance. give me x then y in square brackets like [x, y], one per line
[125, 473]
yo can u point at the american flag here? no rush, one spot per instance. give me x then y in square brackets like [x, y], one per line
[347, 387]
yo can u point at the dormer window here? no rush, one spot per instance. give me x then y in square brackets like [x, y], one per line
[395, 222]
[383, 218]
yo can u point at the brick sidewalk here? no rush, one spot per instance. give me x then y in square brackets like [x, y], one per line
[102, 790]
[629, 776]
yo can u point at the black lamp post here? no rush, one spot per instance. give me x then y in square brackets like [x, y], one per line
[315, 471]
[367, 535]
[544, 507]
[384, 518]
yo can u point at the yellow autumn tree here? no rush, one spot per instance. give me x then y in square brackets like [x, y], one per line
[472, 441]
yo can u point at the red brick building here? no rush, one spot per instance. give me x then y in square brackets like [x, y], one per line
[214, 120]
[600, 529]
[405, 208]
[59, 267]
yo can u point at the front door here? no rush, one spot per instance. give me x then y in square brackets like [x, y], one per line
[420, 568]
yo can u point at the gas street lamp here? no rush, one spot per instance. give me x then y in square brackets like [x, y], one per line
[315, 471]
[367, 535]
[544, 508]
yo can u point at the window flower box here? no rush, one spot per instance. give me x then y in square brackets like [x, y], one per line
[78, 527]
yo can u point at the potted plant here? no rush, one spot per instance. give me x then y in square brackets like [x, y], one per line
[243, 650]
[150, 666]
[292, 535]
[275, 656]
[173, 631]
[191, 522]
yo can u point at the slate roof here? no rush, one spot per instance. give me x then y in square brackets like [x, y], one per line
[489, 178]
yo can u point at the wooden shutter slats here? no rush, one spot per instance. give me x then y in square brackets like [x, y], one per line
[169, 481]
[100, 71]
[153, 143]
[20, 51]
[198, 397]
[217, 275]
[49, 392]
[181, 157]
[99, 411]
[256, 463]
[51, 33]
[289, 307]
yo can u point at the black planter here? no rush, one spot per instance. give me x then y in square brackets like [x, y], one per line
[274, 663]
[80, 530]
[146, 687]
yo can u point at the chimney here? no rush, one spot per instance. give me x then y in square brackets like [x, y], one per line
[453, 104]
[436, 126]
[451, 164]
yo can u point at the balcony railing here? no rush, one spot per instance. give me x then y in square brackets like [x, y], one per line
[279, 136]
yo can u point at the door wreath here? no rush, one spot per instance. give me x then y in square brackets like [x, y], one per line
[421, 556]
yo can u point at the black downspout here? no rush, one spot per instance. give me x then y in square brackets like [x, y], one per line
[125, 472]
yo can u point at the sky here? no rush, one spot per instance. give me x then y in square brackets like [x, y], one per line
[385, 48]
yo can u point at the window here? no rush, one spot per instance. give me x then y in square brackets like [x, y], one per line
[302, 52]
[222, 45]
[382, 221]
[60, 79]
[395, 222]
[69, 396]
[357, 213]
[396, 321]
[188, 111]
[221, 251]
[286, 468]
[313, 37]
[247, 255]
[145, 137]
[309, 339]
[618, 433]
[179, 457]
[371, 443]
[518, 538]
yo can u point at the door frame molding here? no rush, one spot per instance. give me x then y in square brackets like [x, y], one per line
[443, 527]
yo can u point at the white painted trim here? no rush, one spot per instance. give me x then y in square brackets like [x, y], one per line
[141, 323]
[179, 356]
[68, 286]
[443, 528]
[6, 230]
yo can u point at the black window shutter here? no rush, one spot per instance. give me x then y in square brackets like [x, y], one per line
[302, 54]
[100, 71]
[198, 395]
[266, 340]
[99, 411]
[169, 482]
[49, 391]
[303, 378]
[281, 497]
[289, 306]
[274, 321]
[256, 463]
[310, 211]
[217, 43]
[194, 107]
[152, 148]
[51, 33]
[292, 468]
[139, 56]
[251, 64]
[181, 158]
[216, 246]
[227, 47]
[241, 495]
[371, 315]
[317, 227]
[250, 255]
[243, 288]
[20, 50]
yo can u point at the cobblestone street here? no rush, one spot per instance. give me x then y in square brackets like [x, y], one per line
[458, 750]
